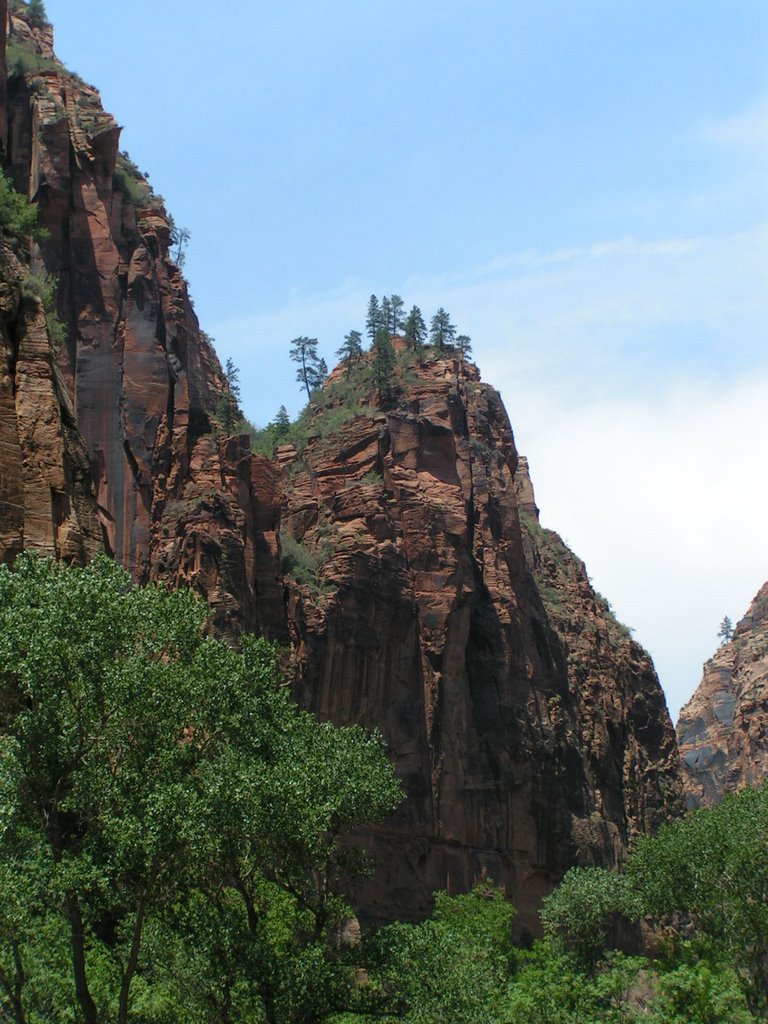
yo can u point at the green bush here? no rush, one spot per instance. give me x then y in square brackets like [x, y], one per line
[550, 987]
[43, 287]
[21, 60]
[576, 916]
[35, 14]
[18, 217]
[302, 562]
[699, 993]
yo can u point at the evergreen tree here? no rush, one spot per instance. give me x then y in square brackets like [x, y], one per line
[352, 349]
[373, 319]
[36, 14]
[384, 366]
[229, 403]
[310, 372]
[397, 320]
[464, 346]
[416, 329]
[725, 633]
[281, 422]
[385, 318]
[441, 331]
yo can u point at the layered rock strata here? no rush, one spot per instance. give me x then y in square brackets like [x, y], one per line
[723, 729]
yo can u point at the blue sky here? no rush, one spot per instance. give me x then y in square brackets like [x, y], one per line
[582, 185]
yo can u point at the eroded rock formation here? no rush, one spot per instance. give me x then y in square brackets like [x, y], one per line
[420, 594]
[529, 729]
[723, 729]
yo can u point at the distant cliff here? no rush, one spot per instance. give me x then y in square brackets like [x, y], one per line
[396, 550]
[723, 729]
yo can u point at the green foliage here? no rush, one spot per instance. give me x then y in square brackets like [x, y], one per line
[35, 14]
[302, 562]
[725, 632]
[43, 287]
[162, 802]
[452, 967]
[442, 332]
[712, 867]
[464, 345]
[312, 370]
[373, 319]
[699, 993]
[416, 329]
[18, 217]
[351, 351]
[21, 60]
[228, 407]
[550, 987]
[134, 184]
[576, 916]
[384, 367]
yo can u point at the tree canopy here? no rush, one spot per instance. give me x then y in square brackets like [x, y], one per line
[162, 801]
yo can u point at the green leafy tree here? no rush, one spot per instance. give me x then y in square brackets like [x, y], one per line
[725, 632]
[161, 795]
[577, 915]
[351, 351]
[452, 967]
[711, 866]
[18, 217]
[441, 331]
[312, 369]
[416, 329]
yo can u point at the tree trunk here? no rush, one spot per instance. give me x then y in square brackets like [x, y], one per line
[77, 943]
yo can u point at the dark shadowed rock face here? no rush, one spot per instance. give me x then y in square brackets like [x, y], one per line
[529, 729]
[420, 597]
[723, 729]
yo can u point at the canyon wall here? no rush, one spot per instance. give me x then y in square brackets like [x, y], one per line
[396, 551]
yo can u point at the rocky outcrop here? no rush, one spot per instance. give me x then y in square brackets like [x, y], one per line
[723, 729]
[529, 729]
[176, 499]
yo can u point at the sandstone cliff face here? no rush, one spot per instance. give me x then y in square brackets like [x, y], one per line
[46, 500]
[723, 729]
[530, 731]
[175, 500]
[420, 595]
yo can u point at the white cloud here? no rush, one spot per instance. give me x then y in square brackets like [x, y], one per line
[665, 500]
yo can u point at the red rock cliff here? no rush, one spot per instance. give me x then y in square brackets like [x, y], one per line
[420, 594]
[530, 730]
[723, 729]
[176, 500]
